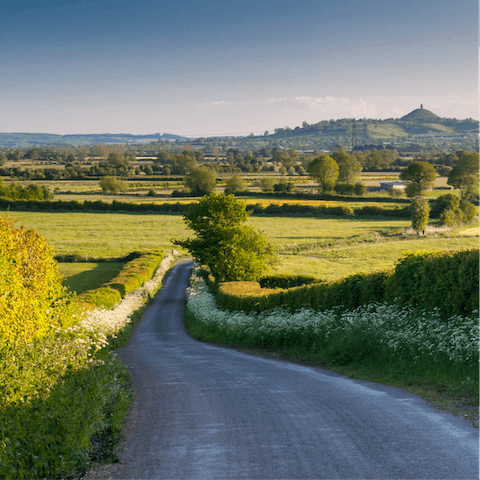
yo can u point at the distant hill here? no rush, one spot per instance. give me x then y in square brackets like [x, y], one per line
[420, 115]
[49, 139]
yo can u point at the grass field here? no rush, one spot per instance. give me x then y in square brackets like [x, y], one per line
[338, 262]
[328, 248]
[80, 277]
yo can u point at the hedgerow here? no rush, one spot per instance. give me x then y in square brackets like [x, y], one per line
[376, 332]
[133, 274]
[286, 281]
[447, 280]
[258, 209]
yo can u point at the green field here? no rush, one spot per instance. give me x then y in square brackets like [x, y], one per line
[328, 248]
[83, 276]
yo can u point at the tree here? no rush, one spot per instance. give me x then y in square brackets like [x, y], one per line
[349, 166]
[453, 210]
[201, 180]
[464, 174]
[449, 201]
[421, 176]
[118, 160]
[164, 158]
[112, 184]
[266, 184]
[182, 164]
[420, 213]
[235, 184]
[284, 187]
[325, 170]
[232, 251]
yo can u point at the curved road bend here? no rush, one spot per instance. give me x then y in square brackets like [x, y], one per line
[205, 412]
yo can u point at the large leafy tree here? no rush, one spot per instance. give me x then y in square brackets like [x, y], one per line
[421, 176]
[464, 174]
[324, 169]
[235, 184]
[112, 184]
[231, 250]
[349, 167]
[201, 180]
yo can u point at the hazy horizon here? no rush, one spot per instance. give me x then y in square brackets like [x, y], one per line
[213, 68]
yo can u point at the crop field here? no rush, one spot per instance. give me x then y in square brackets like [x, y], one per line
[328, 248]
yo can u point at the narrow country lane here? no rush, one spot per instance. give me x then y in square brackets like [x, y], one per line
[204, 412]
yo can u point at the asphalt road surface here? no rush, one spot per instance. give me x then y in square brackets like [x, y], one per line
[204, 412]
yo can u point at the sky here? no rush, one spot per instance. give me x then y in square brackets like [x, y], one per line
[219, 67]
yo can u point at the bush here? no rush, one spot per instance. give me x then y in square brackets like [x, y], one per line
[284, 187]
[444, 202]
[450, 217]
[133, 274]
[32, 298]
[286, 281]
[103, 297]
[345, 189]
[113, 185]
[361, 189]
[469, 211]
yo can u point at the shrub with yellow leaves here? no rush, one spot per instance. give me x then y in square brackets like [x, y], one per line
[32, 298]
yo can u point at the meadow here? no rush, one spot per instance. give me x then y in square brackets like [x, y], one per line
[327, 248]
[82, 276]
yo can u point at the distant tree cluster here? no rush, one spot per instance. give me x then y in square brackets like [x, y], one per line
[30, 192]
[180, 163]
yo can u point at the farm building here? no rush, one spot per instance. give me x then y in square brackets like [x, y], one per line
[384, 186]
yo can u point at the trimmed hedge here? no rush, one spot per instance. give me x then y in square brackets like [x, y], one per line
[103, 297]
[286, 281]
[133, 274]
[272, 209]
[446, 280]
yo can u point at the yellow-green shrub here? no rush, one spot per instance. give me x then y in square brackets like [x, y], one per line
[136, 272]
[32, 298]
[102, 297]
[133, 275]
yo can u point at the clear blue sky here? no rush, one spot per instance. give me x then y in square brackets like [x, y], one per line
[219, 67]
